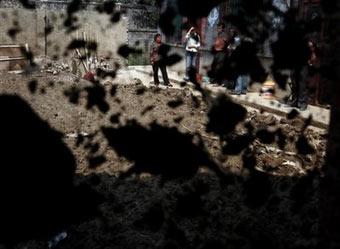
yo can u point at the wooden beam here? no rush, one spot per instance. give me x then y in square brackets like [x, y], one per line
[13, 59]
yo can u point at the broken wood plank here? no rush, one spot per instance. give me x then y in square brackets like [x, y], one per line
[81, 59]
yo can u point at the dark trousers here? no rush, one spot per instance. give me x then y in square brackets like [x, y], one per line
[299, 87]
[216, 73]
[155, 67]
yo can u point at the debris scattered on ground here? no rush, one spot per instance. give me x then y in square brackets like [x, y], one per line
[75, 135]
[55, 67]
[74, 65]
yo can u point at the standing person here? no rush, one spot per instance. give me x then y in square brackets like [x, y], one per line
[242, 50]
[299, 89]
[157, 62]
[290, 52]
[233, 43]
[308, 77]
[219, 50]
[313, 73]
[299, 78]
[193, 43]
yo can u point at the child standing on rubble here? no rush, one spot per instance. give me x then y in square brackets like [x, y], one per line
[157, 61]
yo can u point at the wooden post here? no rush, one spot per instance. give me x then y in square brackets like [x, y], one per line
[86, 51]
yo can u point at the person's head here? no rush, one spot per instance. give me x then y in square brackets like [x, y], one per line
[157, 38]
[220, 27]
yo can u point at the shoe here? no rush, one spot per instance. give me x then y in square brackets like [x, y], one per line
[303, 107]
[235, 93]
[283, 101]
[290, 104]
[168, 84]
[244, 93]
[156, 83]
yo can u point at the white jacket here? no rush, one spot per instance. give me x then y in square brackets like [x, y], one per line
[192, 45]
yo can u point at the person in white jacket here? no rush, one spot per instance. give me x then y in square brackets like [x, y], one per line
[193, 43]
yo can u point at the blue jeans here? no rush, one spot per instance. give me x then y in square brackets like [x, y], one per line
[242, 83]
[191, 62]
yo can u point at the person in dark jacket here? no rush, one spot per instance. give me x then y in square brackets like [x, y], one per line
[313, 73]
[220, 53]
[291, 52]
[157, 62]
[242, 58]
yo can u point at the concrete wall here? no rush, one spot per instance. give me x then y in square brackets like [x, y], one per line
[32, 25]
[26, 22]
[97, 27]
[142, 26]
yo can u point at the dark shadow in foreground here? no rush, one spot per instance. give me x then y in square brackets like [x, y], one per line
[37, 192]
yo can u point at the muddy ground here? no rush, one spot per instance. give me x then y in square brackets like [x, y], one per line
[274, 205]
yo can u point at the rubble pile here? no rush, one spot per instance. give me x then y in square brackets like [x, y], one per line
[74, 66]
[287, 161]
[55, 67]
[95, 63]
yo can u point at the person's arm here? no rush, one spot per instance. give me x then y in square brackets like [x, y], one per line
[152, 53]
[188, 34]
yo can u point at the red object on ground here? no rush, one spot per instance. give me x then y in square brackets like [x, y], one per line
[89, 76]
